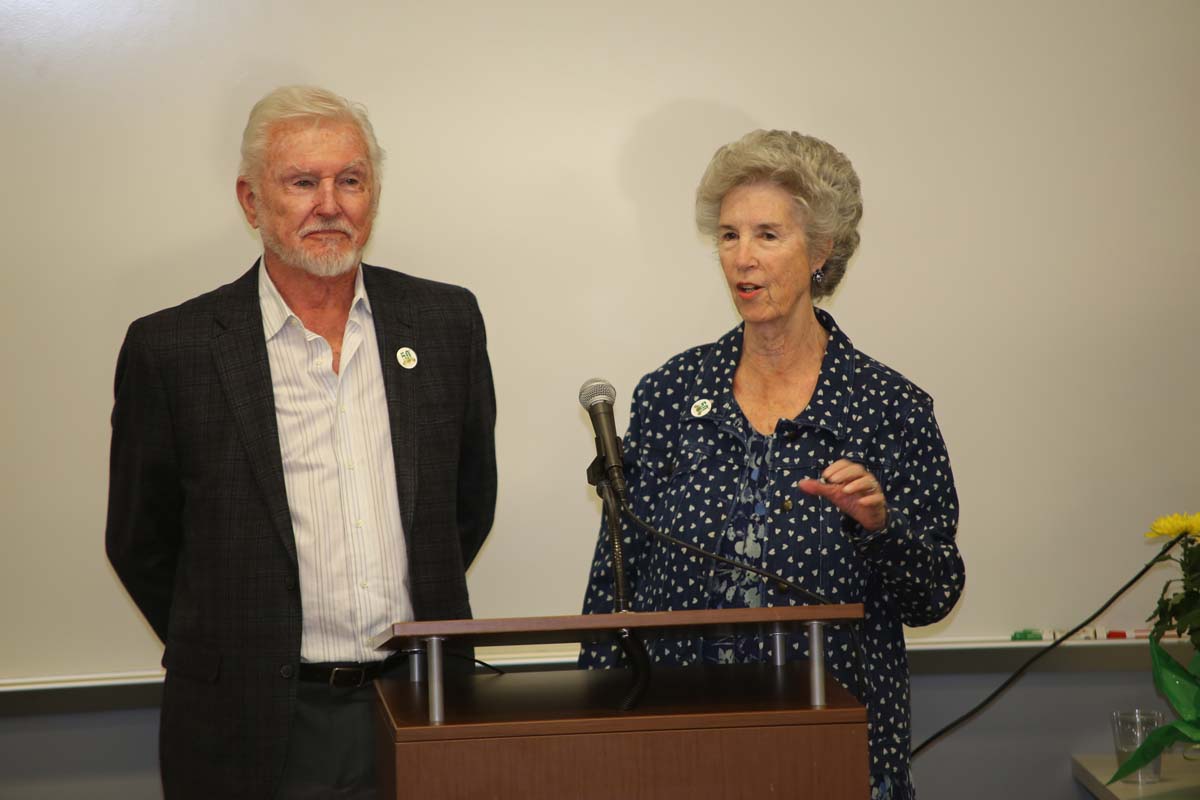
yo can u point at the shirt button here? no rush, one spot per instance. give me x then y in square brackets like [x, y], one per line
[787, 504]
[358, 523]
[363, 584]
[286, 671]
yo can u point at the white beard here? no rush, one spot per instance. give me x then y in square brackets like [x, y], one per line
[328, 264]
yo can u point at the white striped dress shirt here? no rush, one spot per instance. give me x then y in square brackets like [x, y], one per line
[335, 439]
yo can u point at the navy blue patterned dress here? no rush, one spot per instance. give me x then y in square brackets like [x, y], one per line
[698, 470]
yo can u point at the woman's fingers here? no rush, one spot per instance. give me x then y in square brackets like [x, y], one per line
[853, 478]
[853, 489]
[842, 471]
[814, 486]
[864, 485]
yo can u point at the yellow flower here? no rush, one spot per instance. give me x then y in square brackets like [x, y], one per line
[1175, 524]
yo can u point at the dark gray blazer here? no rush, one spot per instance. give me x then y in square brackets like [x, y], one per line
[198, 524]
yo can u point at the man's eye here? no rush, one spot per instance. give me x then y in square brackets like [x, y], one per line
[769, 236]
[303, 183]
[351, 181]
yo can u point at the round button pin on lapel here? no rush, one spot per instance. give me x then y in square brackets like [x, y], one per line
[701, 407]
[406, 357]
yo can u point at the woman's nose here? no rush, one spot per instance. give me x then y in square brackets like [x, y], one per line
[745, 256]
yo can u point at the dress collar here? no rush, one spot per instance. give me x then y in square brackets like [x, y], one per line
[712, 393]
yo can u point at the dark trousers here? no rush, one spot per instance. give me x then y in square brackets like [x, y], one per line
[332, 741]
[331, 745]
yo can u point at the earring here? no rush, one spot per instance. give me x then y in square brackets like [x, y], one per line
[818, 277]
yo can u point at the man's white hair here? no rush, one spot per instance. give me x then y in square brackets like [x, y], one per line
[303, 103]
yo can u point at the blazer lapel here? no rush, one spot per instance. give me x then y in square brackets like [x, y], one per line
[240, 353]
[395, 328]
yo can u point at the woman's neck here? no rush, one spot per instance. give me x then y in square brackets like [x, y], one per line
[778, 370]
[784, 347]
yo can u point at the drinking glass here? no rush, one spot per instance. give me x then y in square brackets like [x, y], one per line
[1130, 729]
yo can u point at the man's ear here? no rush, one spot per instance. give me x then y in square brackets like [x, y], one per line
[247, 200]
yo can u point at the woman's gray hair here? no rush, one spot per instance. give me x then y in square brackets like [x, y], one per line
[820, 179]
[303, 102]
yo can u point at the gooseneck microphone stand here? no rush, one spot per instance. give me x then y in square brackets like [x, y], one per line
[605, 473]
[635, 650]
[631, 645]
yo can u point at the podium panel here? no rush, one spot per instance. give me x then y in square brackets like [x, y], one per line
[725, 731]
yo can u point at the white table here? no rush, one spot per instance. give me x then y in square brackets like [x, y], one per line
[1180, 778]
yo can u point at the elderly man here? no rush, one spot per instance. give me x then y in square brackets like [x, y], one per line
[299, 458]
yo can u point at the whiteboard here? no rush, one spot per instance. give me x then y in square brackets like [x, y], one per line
[1029, 251]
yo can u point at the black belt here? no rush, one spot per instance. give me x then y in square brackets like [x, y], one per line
[347, 674]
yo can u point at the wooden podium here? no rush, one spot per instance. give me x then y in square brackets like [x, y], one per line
[727, 731]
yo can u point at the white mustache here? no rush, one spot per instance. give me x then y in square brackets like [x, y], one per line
[324, 227]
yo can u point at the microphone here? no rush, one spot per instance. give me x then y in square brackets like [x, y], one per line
[597, 396]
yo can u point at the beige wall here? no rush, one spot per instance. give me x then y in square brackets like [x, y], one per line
[1029, 252]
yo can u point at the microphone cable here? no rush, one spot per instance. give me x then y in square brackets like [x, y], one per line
[852, 627]
[762, 573]
[1021, 670]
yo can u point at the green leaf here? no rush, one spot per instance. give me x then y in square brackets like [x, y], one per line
[1189, 619]
[1162, 609]
[1189, 729]
[1180, 687]
[1158, 740]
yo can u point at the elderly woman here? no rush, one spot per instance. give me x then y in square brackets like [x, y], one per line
[784, 446]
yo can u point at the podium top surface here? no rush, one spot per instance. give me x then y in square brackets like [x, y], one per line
[596, 627]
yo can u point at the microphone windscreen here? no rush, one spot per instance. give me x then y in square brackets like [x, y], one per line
[596, 390]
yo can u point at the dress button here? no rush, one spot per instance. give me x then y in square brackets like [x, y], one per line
[286, 671]
[787, 504]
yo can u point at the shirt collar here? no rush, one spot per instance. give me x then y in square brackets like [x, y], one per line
[714, 383]
[275, 310]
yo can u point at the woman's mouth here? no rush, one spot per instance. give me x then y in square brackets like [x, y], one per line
[748, 290]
